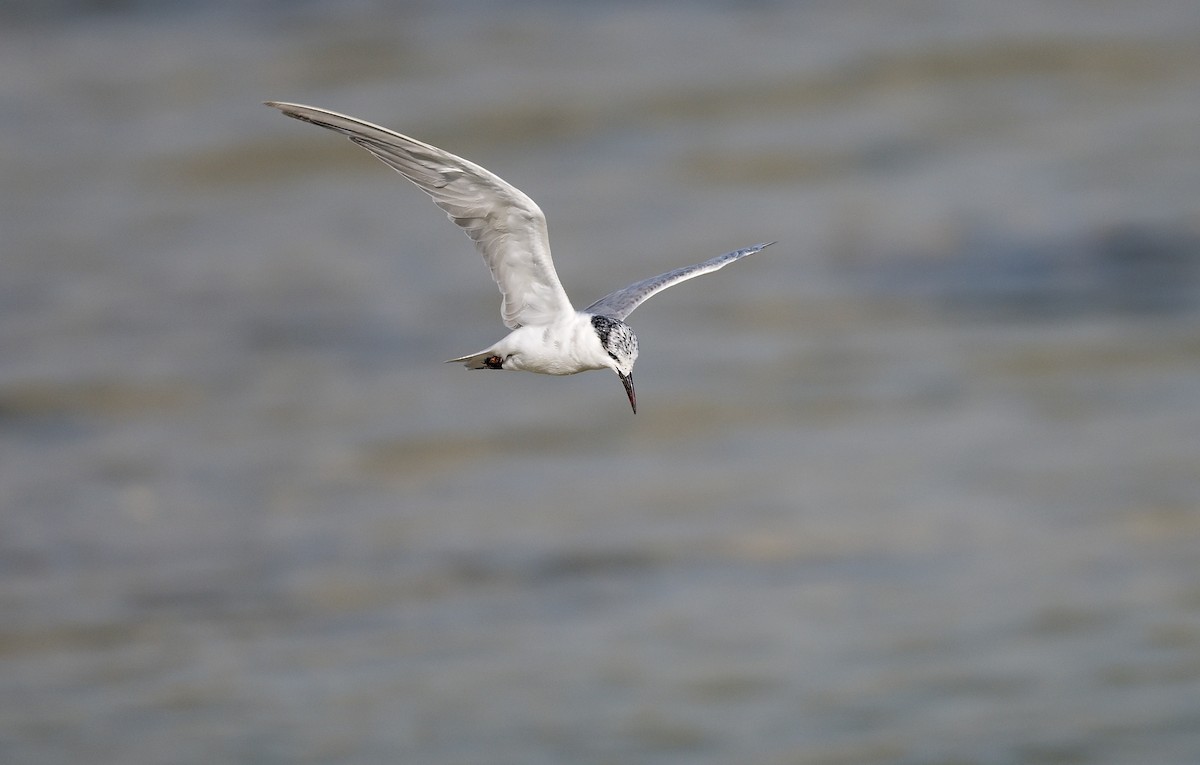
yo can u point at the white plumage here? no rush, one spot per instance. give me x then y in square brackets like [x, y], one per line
[548, 335]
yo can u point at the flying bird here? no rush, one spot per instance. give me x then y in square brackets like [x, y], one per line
[548, 335]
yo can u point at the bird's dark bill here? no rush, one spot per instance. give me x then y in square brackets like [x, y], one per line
[627, 380]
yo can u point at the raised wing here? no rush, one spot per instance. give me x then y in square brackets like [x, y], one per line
[507, 226]
[621, 303]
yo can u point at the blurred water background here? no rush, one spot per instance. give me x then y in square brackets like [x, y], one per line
[919, 484]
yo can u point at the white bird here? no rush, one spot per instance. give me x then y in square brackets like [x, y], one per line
[548, 335]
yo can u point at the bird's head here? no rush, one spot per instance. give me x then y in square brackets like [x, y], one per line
[621, 345]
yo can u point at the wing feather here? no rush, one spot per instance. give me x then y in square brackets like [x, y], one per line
[508, 228]
[621, 303]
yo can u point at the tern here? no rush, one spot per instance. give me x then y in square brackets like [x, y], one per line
[548, 335]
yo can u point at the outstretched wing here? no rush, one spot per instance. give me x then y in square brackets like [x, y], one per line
[507, 226]
[621, 303]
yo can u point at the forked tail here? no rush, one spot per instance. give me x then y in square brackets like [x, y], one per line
[473, 361]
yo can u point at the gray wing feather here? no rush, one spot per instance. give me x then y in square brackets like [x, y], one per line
[621, 303]
[508, 228]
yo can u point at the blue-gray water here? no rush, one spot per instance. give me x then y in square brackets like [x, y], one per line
[918, 485]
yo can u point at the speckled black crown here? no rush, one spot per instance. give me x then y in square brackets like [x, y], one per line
[616, 337]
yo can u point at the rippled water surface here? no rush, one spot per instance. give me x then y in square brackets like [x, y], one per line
[919, 484]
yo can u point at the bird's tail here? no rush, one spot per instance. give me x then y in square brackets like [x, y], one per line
[474, 360]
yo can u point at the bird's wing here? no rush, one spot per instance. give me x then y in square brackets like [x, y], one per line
[505, 224]
[621, 303]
